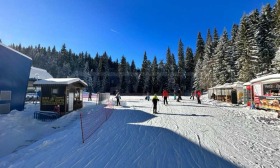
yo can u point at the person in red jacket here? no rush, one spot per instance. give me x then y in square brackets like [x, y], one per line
[165, 96]
[198, 94]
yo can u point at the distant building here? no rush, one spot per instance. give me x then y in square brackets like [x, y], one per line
[14, 74]
[36, 74]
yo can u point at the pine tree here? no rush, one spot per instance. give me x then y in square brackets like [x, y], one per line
[253, 50]
[276, 17]
[148, 82]
[244, 67]
[215, 39]
[181, 77]
[233, 52]
[207, 69]
[265, 39]
[123, 74]
[221, 74]
[170, 69]
[197, 75]
[87, 77]
[198, 60]
[189, 65]
[132, 78]
[162, 76]
[155, 80]
[199, 53]
[62, 55]
[142, 77]
[276, 62]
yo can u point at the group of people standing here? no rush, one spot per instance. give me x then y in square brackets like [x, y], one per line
[165, 95]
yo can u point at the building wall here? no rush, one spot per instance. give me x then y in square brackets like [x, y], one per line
[15, 69]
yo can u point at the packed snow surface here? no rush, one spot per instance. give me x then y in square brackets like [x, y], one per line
[183, 134]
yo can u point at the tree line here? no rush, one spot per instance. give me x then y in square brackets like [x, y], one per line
[252, 49]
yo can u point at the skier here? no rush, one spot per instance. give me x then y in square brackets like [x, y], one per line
[155, 100]
[192, 95]
[179, 95]
[118, 97]
[147, 97]
[198, 94]
[89, 96]
[165, 95]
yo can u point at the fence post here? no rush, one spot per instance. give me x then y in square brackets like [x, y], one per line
[81, 119]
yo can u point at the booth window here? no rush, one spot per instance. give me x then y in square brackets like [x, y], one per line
[54, 90]
[77, 95]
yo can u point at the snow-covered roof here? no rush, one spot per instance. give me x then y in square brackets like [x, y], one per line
[263, 78]
[229, 85]
[247, 83]
[271, 81]
[38, 73]
[9, 48]
[59, 81]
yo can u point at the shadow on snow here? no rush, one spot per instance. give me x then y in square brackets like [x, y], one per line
[126, 143]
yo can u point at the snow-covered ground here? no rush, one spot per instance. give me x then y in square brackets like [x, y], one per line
[183, 134]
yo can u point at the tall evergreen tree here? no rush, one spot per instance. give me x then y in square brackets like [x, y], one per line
[155, 80]
[276, 62]
[123, 74]
[162, 76]
[221, 61]
[170, 69]
[189, 65]
[265, 38]
[233, 51]
[276, 17]
[132, 78]
[198, 61]
[199, 53]
[245, 72]
[148, 82]
[207, 69]
[253, 25]
[181, 77]
[215, 38]
[142, 77]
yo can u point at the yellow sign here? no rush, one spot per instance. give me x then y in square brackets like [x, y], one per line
[53, 100]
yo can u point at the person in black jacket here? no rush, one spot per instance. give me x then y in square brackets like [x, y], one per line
[179, 95]
[118, 97]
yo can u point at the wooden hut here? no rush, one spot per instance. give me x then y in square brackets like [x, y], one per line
[224, 92]
[63, 92]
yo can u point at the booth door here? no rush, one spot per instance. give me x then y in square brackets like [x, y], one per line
[71, 102]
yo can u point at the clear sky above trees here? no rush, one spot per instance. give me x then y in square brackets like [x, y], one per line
[121, 28]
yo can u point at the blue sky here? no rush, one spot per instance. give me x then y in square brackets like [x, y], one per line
[121, 28]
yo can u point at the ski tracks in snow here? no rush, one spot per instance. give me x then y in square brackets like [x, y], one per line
[226, 131]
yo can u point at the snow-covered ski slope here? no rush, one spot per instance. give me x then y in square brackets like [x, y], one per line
[183, 134]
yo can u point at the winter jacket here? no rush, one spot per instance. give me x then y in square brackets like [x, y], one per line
[198, 93]
[165, 93]
[155, 99]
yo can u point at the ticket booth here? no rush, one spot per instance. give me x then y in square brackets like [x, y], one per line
[64, 93]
